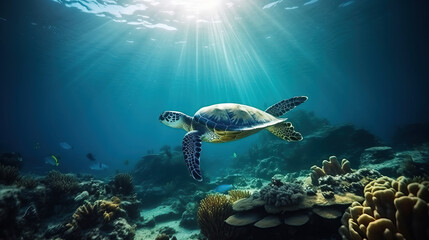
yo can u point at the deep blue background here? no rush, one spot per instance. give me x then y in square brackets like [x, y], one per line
[72, 76]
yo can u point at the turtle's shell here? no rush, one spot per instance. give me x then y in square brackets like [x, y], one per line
[234, 117]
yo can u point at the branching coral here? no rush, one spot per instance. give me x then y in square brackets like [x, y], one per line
[123, 183]
[61, 183]
[393, 209]
[330, 167]
[212, 212]
[238, 194]
[8, 174]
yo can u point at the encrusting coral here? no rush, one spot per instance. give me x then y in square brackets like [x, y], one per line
[330, 167]
[212, 212]
[393, 209]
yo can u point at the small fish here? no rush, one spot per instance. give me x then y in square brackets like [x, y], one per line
[90, 157]
[66, 146]
[126, 162]
[223, 188]
[98, 166]
[53, 160]
[234, 155]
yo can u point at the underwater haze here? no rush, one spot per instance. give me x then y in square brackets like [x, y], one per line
[83, 84]
[97, 74]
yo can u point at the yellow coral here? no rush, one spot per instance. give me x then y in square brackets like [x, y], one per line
[89, 214]
[393, 209]
[330, 167]
[238, 194]
[212, 212]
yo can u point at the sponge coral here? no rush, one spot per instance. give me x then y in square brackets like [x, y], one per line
[393, 209]
[281, 194]
[212, 212]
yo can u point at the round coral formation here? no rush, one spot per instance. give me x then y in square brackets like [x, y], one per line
[282, 194]
[123, 183]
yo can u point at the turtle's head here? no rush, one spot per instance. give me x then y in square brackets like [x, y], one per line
[175, 119]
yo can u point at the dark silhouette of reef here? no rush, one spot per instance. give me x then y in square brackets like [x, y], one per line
[12, 159]
[411, 135]
[272, 155]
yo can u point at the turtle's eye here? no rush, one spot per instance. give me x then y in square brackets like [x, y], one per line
[161, 117]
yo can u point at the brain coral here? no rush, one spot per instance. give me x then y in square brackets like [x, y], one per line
[393, 209]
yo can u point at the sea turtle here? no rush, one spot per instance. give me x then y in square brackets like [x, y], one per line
[228, 122]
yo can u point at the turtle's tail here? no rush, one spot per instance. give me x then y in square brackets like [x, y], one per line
[285, 131]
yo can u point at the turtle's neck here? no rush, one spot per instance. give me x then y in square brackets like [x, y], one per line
[186, 122]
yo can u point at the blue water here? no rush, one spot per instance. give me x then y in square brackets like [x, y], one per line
[97, 74]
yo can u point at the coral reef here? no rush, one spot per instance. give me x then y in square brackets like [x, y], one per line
[350, 182]
[89, 218]
[318, 143]
[270, 166]
[290, 221]
[33, 209]
[8, 174]
[27, 182]
[330, 167]
[60, 183]
[374, 155]
[393, 209]
[281, 194]
[235, 195]
[212, 212]
[123, 184]
[85, 216]
[336, 178]
[394, 164]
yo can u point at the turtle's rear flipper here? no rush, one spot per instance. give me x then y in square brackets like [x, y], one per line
[285, 130]
[191, 147]
[285, 106]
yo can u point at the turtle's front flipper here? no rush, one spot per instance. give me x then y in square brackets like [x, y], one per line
[191, 147]
[284, 106]
[286, 131]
